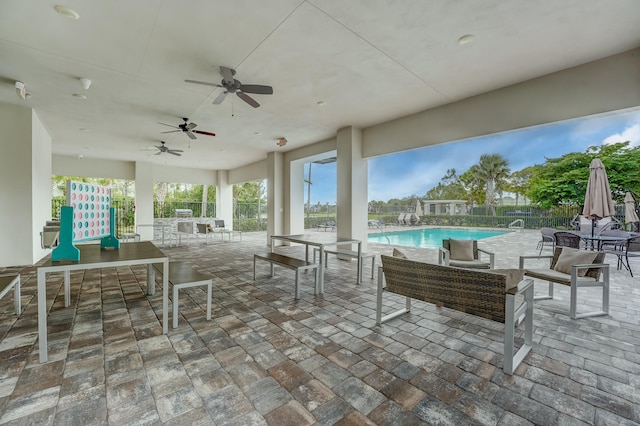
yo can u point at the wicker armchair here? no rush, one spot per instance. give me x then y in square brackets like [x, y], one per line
[591, 274]
[499, 295]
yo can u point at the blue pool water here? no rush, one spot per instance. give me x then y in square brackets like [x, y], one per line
[430, 238]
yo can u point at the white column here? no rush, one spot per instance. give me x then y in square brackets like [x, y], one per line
[144, 199]
[275, 194]
[352, 180]
[294, 199]
[25, 185]
[224, 199]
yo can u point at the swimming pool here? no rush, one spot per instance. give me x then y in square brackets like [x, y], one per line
[430, 238]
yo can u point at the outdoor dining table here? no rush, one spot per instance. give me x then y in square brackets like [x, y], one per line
[321, 241]
[595, 242]
[92, 257]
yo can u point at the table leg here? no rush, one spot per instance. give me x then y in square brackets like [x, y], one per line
[165, 296]
[151, 280]
[320, 284]
[67, 288]
[359, 263]
[42, 315]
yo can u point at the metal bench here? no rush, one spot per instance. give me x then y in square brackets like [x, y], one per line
[183, 275]
[7, 282]
[289, 263]
[348, 253]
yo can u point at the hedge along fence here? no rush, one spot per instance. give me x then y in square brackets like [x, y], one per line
[530, 222]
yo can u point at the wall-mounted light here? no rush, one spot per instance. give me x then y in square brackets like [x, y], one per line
[281, 142]
[86, 83]
[21, 90]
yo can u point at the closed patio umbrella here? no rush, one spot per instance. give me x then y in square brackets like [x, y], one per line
[597, 202]
[630, 215]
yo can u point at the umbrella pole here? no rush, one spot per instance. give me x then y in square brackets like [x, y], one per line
[593, 227]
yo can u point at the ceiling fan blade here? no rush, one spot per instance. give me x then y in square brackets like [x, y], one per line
[248, 99]
[172, 152]
[176, 150]
[158, 153]
[227, 74]
[202, 132]
[218, 100]
[190, 134]
[202, 82]
[258, 89]
[172, 131]
[191, 126]
[170, 125]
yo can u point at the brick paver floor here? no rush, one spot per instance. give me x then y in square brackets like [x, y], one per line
[266, 359]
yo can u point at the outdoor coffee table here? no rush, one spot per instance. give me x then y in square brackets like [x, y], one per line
[92, 257]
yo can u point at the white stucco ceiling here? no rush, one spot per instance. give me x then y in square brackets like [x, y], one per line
[369, 60]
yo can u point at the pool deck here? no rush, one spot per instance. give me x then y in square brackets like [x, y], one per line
[266, 359]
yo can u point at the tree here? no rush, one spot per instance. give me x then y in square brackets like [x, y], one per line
[563, 180]
[518, 182]
[490, 171]
[449, 188]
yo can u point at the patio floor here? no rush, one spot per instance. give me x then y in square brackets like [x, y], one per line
[267, 359]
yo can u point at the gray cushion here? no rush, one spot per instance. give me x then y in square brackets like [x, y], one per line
[461, 249]
[476, 264]
[570, 256]
[398, 253]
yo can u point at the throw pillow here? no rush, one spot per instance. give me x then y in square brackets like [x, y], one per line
[398, 253]
[460, 249]
[570, 256]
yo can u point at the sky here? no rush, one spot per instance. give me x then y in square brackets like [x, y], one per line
[416, 171]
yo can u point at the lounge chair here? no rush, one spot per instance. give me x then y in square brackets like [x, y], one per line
[577, 269]
[463, 254]
[331, 225]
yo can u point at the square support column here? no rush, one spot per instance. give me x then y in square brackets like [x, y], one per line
[352, 180]
[144, 200]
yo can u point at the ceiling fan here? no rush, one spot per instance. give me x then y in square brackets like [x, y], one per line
[231, 85]
[187, 128]
[164, 149]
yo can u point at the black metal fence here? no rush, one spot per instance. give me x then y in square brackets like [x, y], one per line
[253, 216]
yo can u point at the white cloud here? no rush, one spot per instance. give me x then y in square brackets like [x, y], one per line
[631, 134]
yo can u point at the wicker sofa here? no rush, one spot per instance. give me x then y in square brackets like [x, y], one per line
[498, 295]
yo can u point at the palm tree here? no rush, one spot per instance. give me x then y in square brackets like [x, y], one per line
[490, 170]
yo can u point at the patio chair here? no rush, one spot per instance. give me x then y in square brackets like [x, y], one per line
[183, 229]
[204, 229]
[547, 239]
[463, 254]
[624, 250]
[220, 228]
[577, 269]
[567, 239]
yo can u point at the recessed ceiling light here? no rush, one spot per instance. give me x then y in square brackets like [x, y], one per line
[465, 39]
[79, 96]
[67, 12]
[321, 103]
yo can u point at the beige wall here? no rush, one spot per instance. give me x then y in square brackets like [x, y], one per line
[25, 185]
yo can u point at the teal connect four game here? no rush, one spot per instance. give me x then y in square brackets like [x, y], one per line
[88, 215]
